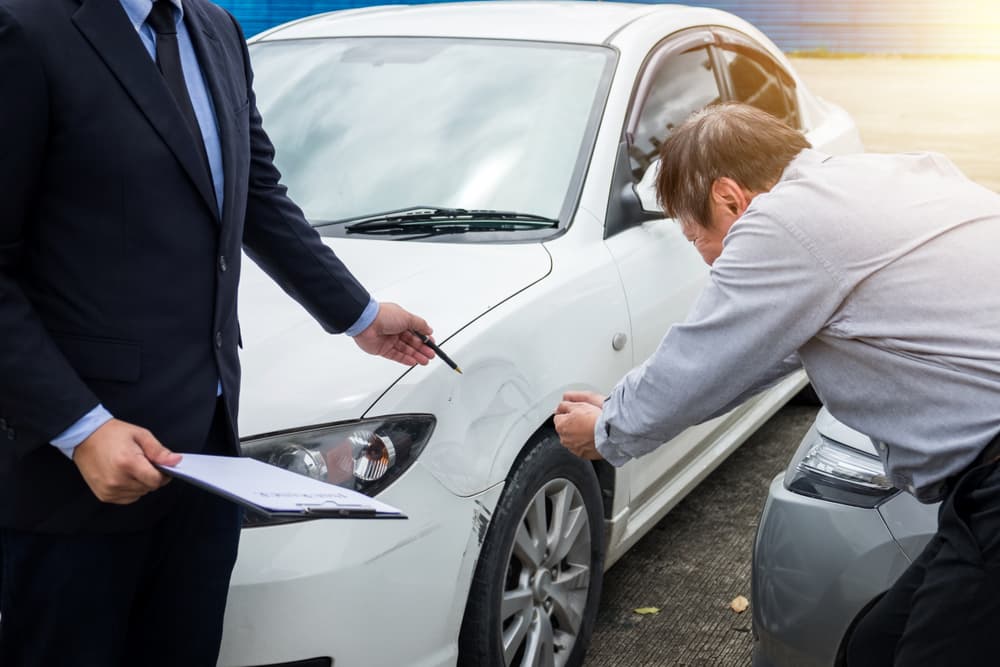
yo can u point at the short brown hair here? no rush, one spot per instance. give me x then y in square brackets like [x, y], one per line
[738, 141]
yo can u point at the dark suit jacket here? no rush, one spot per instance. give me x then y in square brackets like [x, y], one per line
[117, 278]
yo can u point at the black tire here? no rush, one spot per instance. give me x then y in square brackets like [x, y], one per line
[561, 480]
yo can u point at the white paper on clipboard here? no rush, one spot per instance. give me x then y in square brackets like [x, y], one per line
[275, 491]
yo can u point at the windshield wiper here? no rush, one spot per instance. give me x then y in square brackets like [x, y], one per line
[428, 220]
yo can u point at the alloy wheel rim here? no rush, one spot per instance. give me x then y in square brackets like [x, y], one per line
[547, 579]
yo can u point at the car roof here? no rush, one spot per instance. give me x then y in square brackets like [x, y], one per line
[582, 22]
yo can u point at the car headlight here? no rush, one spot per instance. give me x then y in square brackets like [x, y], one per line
[365, 455]
[831, 471]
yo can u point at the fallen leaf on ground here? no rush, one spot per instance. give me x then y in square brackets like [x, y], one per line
[647, 610]
[739, 604]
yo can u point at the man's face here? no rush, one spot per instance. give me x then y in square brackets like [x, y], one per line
[707, 241]
[727, 202]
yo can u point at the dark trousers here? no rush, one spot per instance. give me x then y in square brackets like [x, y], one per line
[153, 598]
[945, 608]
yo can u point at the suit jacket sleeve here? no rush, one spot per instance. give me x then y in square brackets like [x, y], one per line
[40, 393]
[279, 239]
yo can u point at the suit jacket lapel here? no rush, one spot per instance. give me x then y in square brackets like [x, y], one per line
[105, 25]
[211, 57]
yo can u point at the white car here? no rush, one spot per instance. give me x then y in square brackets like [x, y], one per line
[481, 164]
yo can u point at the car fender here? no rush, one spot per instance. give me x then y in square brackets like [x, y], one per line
[517, 360]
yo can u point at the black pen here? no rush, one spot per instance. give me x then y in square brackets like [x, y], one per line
[437, 350]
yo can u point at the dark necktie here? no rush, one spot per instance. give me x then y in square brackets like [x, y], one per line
[168, 59]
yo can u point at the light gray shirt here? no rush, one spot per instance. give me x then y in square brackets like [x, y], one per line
[881, 273]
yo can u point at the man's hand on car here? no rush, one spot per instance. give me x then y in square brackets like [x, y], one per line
[575, 420]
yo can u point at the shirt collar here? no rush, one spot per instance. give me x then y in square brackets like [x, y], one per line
[138, 10]
[807, 156]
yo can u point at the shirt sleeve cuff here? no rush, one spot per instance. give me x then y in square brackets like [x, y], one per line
[368, 316]
[605, 447]
[67, 441]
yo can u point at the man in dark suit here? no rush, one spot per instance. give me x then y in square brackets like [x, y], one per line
[135, 169]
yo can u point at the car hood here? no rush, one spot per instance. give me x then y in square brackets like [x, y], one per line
[830, 427]
[295, 374]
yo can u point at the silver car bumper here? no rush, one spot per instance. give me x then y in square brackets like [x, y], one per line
[817, 565]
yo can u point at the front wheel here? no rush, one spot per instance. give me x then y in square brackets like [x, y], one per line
[538, 581]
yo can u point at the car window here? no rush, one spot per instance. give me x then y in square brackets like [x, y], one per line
[757, 80]
[684, 83]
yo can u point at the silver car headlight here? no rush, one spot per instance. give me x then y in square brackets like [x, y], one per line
[365, 455]
[827, 469]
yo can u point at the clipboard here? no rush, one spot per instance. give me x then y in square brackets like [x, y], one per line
[274, 491]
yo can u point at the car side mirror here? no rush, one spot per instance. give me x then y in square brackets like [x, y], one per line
[645, 189]
[626, 206]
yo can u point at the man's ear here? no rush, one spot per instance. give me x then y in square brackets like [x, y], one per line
[729, 196]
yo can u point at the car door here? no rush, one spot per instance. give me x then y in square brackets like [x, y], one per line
[661, 273]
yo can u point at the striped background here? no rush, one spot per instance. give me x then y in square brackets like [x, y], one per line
[868, 26]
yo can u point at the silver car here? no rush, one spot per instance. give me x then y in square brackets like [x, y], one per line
[834, 535]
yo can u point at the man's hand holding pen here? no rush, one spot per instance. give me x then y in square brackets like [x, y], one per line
[392, 336]
[575, 420]
[401, 336]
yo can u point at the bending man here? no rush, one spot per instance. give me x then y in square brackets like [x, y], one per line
[879, 273]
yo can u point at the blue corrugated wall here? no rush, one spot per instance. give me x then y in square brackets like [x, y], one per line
[258, 15]
[872, 26]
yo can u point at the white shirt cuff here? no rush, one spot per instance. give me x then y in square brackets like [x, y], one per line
[67, 441]
[368, 316]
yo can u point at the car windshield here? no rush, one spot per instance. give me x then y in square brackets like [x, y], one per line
[363, 126]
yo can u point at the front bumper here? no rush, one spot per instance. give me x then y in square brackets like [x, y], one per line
[365, 593]
[816, 565]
